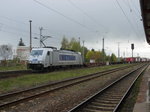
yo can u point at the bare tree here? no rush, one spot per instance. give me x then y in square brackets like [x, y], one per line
[6, 52]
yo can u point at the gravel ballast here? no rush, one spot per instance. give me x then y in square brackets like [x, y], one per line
[65, 99]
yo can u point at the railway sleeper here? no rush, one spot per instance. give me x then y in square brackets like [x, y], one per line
[106, 102]
[89, 110]
[98, 108]
[103, 104]
[110, 99]
[112, 94]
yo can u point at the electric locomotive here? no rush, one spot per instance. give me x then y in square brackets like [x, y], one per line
[50, 57]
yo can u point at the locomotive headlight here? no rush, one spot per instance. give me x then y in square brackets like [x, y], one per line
[39, 61]
[29, 61]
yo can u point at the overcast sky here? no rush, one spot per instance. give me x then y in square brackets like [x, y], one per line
[91, 20]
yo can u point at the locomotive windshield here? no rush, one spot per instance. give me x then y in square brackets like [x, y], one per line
[36, 52]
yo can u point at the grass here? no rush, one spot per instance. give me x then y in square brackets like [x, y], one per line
[17, 67]
[35, 79]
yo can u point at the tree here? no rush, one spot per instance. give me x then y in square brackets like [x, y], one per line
[75, 45]
[90, 55]
[103, 58]
[95, 55]
[108, 58]
[113, 58]
[21, 43]
[6, 52]
[92, 50]
[64, 43]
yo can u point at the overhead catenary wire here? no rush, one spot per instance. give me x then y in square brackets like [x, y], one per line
[132, 10]
[61, 14]
[136, 12]
[126, 2]
[128, 20]
[3, 25]
[16, 21]
[129, 5]
[14, 28]
[86, 14]
[137, 9]
[2, 30]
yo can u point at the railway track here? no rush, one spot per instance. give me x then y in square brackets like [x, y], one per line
[10, 74]
[17, 73]
[10, 99]
[110, 98]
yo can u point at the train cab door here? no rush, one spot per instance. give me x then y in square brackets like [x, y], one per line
[51, 58]
[48, 59]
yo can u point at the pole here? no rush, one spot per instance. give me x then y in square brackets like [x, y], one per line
[30, 35]
[83, 51]
[41, 28]
[118, 51]
[79, 45]
[132, 47]
[79, 40]
[103, 51]
[132, 53]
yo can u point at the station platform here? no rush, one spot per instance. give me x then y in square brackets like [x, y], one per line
[143, 99]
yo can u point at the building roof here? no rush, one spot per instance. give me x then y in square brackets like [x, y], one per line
[145, 9]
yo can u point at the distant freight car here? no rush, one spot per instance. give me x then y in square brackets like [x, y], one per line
[136, 59]
[49, 58]
[130, 59]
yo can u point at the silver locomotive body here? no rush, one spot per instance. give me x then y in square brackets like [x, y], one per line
[43, 58]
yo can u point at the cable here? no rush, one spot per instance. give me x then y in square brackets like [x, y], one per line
[10, 32]
[16, 29]
[127, 18]
[86, 14]
[136, 8]
[16, 21]
[131, 9]
[135, 11]
[63, 15]
[129, 5]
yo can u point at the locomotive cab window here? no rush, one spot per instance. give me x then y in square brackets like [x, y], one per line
[36, 52]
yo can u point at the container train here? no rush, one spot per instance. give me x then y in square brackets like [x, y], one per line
[135, 59]
[50, 57]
